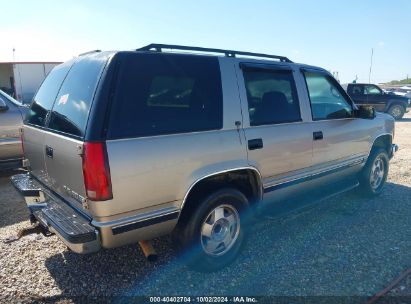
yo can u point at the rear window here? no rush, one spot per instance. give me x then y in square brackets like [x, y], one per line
[164, 94]
[356, 89]
[44, 99]
[72, 105]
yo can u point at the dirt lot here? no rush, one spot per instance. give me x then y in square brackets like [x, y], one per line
[347, 246]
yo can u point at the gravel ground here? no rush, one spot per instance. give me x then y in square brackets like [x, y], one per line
[347, 246]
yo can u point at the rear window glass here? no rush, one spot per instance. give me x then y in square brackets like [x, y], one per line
[44, 99]
[71, 109]
[164, 94]
[356, 89]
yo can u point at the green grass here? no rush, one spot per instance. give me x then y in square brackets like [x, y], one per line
[404, 81]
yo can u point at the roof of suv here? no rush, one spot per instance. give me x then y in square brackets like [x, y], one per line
[200, 51]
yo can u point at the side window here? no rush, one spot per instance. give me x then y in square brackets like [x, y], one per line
[272, 97]
[166, 94]
[372, 90]
[44, 99]
[356, 90]
[170, 92]
[326, 97]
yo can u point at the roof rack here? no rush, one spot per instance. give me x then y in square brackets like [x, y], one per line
[228, 53]
[90, 52]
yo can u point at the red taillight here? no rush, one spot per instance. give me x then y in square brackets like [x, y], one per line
[96, 172]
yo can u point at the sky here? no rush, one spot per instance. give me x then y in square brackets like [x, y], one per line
[336, 35]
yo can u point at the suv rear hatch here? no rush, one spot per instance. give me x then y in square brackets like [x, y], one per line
[55, 126]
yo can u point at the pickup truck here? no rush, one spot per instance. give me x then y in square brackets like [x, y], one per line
[372, 95]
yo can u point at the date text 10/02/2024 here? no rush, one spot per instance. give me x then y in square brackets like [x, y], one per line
[206, 299]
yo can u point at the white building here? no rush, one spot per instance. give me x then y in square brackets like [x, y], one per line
[22, 79]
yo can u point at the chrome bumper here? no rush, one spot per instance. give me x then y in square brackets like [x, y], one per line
[83, 234]
[56, 216]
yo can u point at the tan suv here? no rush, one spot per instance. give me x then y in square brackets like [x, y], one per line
[131, 145]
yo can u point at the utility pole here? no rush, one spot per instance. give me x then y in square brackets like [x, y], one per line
[369, 76]
[17, 96]
[13, 82]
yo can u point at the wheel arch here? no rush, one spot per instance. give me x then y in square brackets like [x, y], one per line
[245, 179]
[392, 102]
[382, 141]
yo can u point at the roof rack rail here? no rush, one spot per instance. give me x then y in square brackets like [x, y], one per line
[228, 53]
[90, 52]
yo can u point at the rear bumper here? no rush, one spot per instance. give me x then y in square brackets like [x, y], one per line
[80, 232]
[71, 226]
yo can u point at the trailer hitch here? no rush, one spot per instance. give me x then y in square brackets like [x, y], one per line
[26, 231]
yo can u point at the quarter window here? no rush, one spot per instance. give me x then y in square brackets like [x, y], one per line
[272, 97]
[326, 97]
[166, 94]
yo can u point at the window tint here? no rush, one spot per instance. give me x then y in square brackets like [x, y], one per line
[44, 99]
[170, 92]
[356, 89]
[271, 97]
[70, 111]
[164, 94]
[327, 100]
[372, 90]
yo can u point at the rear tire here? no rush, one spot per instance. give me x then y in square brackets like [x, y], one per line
[397, 111]
[214, 233]
[374, 174]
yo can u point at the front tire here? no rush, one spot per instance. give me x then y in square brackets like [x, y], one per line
[374, 173]
[397, 111]
[214, 233]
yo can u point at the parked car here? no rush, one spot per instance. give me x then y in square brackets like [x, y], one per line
[11, 120]
[371, 94]
[403, 91]
[131, 145]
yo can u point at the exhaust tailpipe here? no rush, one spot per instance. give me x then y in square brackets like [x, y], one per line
[148, 250]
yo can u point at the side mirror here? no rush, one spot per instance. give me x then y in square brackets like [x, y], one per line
[365, 112]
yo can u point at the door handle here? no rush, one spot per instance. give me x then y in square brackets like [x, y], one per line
[49, 151]
[318, 135]
[254, 144]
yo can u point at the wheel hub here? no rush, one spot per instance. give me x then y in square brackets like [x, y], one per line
[396, 112]
[220, 230]
[377, 173]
